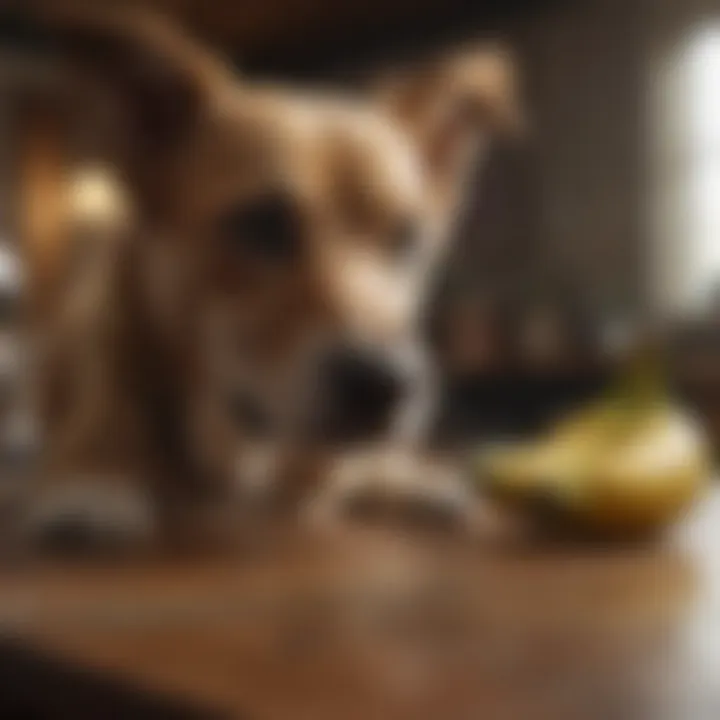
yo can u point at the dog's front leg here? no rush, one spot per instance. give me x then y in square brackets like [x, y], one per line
[93, 483]
[396, 479]
[92, 486]
[394, 484]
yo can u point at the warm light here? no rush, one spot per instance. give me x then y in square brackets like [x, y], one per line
[97, 198]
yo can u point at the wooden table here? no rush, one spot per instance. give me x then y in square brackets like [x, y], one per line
[370, 623]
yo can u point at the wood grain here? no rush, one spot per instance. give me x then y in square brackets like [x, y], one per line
[378, 624]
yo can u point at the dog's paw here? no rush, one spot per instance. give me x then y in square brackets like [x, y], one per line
[393, 486]
[89, 514]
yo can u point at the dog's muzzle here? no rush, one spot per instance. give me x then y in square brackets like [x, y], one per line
[359, 392]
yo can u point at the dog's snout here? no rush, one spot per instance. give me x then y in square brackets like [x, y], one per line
[362, 377]
[361, 390]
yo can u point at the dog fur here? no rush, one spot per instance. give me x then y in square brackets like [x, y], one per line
[182, 310]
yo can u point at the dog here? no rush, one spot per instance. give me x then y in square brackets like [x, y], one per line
[259, 321]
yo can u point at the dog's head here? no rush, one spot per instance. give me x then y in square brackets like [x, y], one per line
[291, 235]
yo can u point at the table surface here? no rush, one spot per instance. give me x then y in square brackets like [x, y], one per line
[374, 623]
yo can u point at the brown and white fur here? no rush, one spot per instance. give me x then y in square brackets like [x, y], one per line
[282, 247]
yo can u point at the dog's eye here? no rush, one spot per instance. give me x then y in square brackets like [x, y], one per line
[404, 240]
[267, 228]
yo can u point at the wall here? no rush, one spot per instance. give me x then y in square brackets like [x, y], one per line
[583, 64]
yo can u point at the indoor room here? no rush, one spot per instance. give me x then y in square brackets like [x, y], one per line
[360, 359]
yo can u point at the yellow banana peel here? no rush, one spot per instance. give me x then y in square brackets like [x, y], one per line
[628, 464]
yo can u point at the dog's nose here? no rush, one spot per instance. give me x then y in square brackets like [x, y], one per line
[361, 390]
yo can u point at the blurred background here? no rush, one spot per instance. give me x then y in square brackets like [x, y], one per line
[603, 216]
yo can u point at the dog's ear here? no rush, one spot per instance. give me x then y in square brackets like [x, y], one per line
[452, 105]
[161, 75]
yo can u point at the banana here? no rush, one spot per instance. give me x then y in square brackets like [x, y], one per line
[628, 464]
[646, 480]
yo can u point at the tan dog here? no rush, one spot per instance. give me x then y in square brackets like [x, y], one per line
[269, 295]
